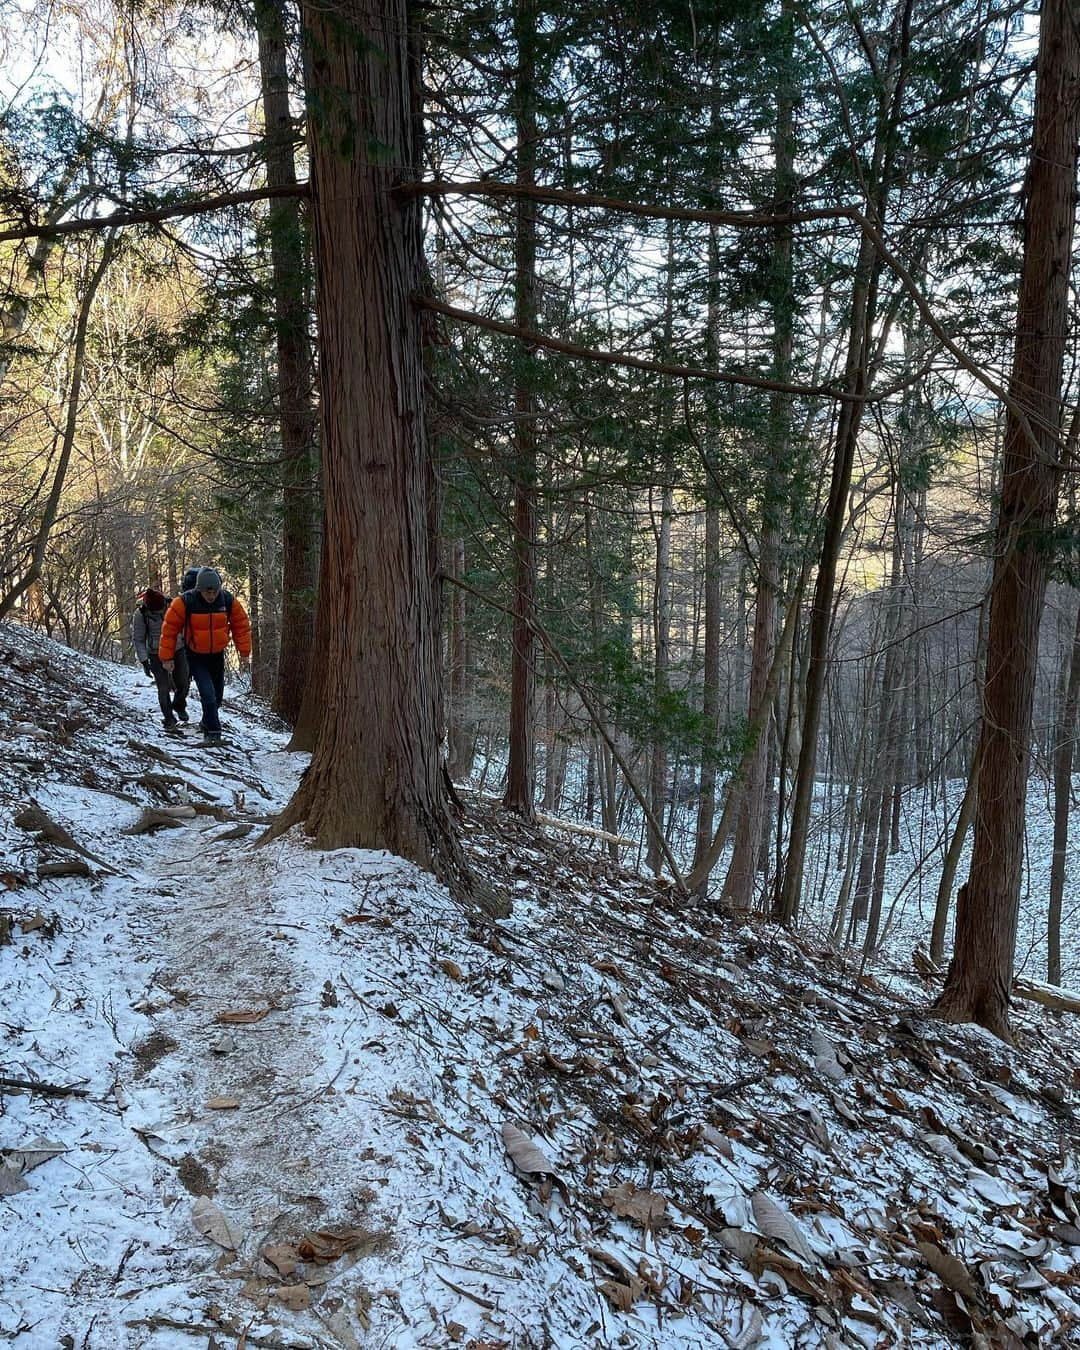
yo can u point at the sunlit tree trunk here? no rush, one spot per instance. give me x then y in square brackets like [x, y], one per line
[47, 519]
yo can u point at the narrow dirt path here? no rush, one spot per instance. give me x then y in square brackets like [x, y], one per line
[235, 1088]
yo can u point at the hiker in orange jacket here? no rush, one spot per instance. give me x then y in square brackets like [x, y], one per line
[207, 616]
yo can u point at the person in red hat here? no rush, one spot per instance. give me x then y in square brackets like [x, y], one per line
[172, 684]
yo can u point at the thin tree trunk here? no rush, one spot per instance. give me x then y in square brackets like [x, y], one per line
[964, 818]
[172, 552]
[710, 691]
[255, 597]
[658, 759]
[856, 375]
[1063, 767]
[299, 523]
[821, 608]
[313, 706]
[661, 634]
[521, 769]
[461, 726]
[739, 882]
[78, 365]
[699, 875]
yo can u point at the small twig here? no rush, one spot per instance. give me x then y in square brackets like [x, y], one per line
[475, 1298]
[42, 1089]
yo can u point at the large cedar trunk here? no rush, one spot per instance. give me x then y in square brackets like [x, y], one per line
[299, 544]
[980, 974]
[374, 777]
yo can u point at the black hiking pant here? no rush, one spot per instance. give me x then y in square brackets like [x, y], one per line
[172, 690]
[208, 672]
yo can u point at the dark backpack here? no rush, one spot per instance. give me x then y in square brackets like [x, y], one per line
[190, 578]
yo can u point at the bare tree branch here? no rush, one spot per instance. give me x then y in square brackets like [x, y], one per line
[173, 211]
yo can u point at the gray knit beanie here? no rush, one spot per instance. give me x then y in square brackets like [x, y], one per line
[207, 580]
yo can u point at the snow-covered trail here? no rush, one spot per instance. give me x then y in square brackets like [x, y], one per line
[178, 929]
[322, 1111]
[242, 1021]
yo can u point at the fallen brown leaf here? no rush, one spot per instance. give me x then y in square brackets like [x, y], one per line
[283, 1257]
[296, 1297]
[324, 1245]
[242, 1017]
[223, 1103]
[643, 1206]
[621, 1296]
[949, 1269]
[212, 1223]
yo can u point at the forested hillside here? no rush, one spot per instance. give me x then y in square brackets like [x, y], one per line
[652, 427]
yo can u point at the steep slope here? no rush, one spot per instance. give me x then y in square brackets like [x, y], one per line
[320, 1109]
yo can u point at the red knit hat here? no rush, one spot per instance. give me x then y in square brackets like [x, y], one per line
[154, 599]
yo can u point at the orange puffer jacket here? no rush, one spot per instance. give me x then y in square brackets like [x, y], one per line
[206, 627]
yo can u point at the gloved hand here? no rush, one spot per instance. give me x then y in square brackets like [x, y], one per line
[146, 669]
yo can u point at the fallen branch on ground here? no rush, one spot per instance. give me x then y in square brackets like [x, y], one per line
[65, 867]
[160, 817]
[40, 1089]
[555, 822]
[1049, 995]
[34, 820]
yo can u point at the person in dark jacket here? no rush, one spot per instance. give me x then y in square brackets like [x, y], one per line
[207, 617]
[172, 684]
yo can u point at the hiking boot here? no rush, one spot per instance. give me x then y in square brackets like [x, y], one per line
[211, 738]
[169, 723]
[182, 713]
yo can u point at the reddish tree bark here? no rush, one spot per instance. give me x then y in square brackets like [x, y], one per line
[980, 974]
[374, 777]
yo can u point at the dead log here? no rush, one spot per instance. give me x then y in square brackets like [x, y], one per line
[160, 818]
[571, 827]
[555, 823]
[1049, 995]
